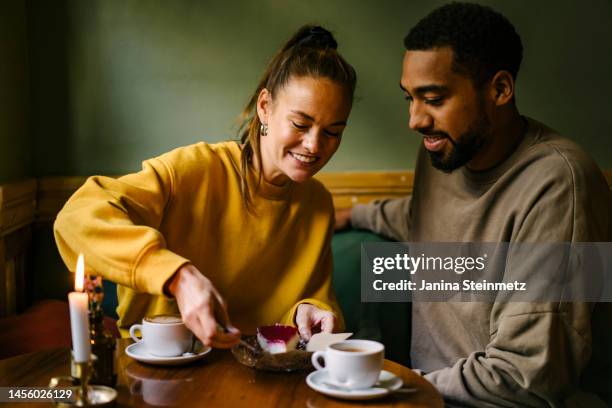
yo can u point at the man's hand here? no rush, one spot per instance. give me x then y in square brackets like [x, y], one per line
[343, 219]
[309, 317]
[201, 306]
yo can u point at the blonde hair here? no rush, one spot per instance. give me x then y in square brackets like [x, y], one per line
[310, 52]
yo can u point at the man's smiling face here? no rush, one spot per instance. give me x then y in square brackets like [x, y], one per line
[445, 107]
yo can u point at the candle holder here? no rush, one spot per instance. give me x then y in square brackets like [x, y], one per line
[86, 395]
[103, 343]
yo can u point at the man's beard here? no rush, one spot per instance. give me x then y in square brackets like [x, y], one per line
[463, 150]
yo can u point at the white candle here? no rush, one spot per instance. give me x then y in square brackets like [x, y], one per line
[79, 316]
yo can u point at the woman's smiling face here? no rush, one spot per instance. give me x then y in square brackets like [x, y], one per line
[305, 120]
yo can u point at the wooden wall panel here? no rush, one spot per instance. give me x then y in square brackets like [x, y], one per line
[351, 188]
[17, 205]
[4, 279]
[17, 213]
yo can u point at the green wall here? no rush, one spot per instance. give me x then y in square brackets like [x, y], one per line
[98, 86]
[92, 86]
[118, 81]
[15, 145]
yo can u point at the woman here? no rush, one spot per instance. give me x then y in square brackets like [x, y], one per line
[227, 229]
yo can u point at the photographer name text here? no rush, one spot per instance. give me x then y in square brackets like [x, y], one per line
[465, 285]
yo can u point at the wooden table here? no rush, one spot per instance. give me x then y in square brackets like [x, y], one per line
[218, 380]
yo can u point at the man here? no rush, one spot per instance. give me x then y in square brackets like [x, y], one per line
[494, 176]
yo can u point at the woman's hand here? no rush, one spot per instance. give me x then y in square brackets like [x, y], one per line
[309, 317]
[202, 306]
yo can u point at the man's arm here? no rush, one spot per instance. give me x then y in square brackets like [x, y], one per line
[389, 218]
[534, 358]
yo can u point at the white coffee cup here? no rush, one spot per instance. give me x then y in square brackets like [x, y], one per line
[163, 335]
[352, 364]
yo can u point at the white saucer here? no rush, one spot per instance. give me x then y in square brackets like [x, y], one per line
[387, 383]
[138, 352]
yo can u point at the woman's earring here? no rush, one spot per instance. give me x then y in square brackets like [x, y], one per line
[263, 130]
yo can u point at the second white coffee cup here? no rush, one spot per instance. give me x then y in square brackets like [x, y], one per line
[163, 336]
[352, 364]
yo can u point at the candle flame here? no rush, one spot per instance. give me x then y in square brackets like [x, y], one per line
[79, 279]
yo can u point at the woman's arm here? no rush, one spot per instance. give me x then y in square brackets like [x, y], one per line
[114, 223]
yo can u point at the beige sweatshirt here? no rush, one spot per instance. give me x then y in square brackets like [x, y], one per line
[509, 354]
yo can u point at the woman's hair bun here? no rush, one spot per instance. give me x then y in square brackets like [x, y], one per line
[316, 37]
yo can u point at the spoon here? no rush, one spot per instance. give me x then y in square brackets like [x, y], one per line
[256, 352]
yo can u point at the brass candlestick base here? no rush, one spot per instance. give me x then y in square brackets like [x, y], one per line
[86, 395]
[82, 371]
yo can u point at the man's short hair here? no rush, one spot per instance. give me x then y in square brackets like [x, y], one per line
[483, 41]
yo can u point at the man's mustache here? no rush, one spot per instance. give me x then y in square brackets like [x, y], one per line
[432, 132]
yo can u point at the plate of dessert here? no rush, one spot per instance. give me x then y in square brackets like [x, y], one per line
[279, 348]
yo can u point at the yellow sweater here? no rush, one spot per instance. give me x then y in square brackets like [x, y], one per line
[186, 206]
